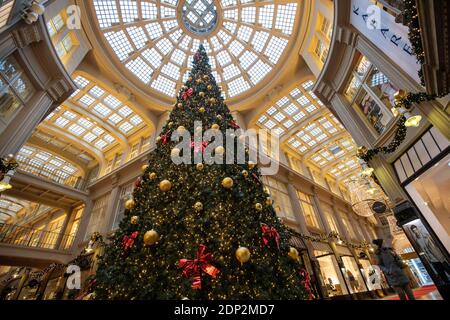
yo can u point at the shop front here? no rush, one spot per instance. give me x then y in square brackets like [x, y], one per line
[330, 271]
[424, 172]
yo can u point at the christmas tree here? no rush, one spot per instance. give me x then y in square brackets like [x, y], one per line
[200, 231]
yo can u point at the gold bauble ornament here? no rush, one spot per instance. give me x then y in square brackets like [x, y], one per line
[219, 150]
[175, 152]
[165, 185]
[144, 167]
[199, 80]
[206, 77]
[152, 176]
[242, 254]
[201, 94]
[245, 173]
[269, 201]
[201, 110]
[170, 124]
[129, 204]
[198, 206]
[293, 254]
[180, 105]
[151, 237]
[227, 183]
[210, 87]
[251, 164]
[219, 117]
[200, 166]
[181, 129]
[134, 220]
[190, 79]
[158, 139]
[212, 100]
[215, 126]
[400, 95]
[258, 206]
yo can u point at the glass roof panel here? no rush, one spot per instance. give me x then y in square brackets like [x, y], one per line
[141, 33]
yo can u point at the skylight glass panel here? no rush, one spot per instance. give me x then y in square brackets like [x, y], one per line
[102, 110]
[154, 30]
[224, 37]
[125, 127]
[224, 58]
[248, 14]
[275, 49]
[128, 9]
[153, 57]
[230, 72]
[231, 14]
[125, 111]
[308, 85]
[279, 131]
[89, 137]
[167, 12]
[215, 43]
[171, 70]
[244, 33]
[61, 122]
[170, 24]
[115, 118]
[237, 86]
[107, 13]
[112, 101]
[299, 116]
[138, 36]
[136, 120]
[236, 48]
[97, 131]
[228, 3]
[279, 117]
[259, 40]
[164, 85]
[247, 59]
[291, 109]
[262, 119]
[85, 123]
[164, 46]
[286, 17]
[87, 100]
[270, 124]
[230, 26]
[311, 108]
[149, 10]
[81, 82]
[140, 69]
[76, 129]
[69, 115]
[108, 138]
[303, 100]
[259, 71]
[178, 57]
[100, 144]
[96, 91]
[266, 16]
[120, 44]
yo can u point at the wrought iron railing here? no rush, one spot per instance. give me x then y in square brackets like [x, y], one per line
[29, 237]
[76, 182]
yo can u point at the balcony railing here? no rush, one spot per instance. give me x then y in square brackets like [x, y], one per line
[29, 237]
[76, 182]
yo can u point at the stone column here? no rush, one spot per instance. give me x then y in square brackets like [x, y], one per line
[82, 227]
[342, 230]
[62, 233]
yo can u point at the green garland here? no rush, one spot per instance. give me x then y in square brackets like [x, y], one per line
[411, 19]
[406, 101]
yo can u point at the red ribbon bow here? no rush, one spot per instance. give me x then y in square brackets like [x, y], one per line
[234, 125]
[197, 145]
[269, 232]
[128, 241]
[192, 268]
[165, 137]
[306, 282]
[187, 93]
[137, 183]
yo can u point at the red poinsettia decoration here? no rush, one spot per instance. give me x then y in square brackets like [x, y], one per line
[193, 268]
[186, 94]
[165, 138]
[306, 282]
[234, 125]
[269, 233]
[128, 241]
[199, 145]
[138, 183]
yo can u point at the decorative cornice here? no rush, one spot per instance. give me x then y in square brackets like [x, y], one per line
[346, 35]
[58, 88]
[24, 36]
[125, 91]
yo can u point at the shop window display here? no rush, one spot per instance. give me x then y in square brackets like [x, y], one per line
[372, 95]
[331, 274]
[353, 275]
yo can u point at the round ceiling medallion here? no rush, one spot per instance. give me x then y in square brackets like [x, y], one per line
[199, 16]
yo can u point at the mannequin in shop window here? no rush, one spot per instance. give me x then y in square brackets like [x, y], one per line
[392, 266]
[353, 282]
[432, 253]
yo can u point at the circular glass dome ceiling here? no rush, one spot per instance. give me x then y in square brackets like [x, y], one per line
[199, 16]
[155, 40]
